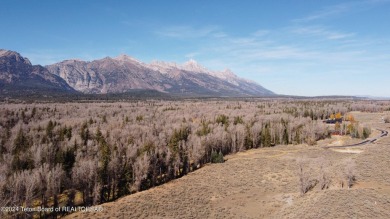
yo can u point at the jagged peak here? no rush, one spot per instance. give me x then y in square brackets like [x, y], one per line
[74, 60]
[163, 64]
[17, 56]
[124, 57]
[191, 62]
[192, 65]
[4, 52]
[229, 72]
[70, 61]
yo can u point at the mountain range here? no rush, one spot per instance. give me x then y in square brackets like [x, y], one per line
[120, 75]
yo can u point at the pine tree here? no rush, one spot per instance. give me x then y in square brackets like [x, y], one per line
[84, 133]
[49, 129]
[266, 136]
[104, 159]
[285, 136]
[21, 143]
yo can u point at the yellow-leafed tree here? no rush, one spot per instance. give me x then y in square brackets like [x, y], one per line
[337, 126]
[350, 118]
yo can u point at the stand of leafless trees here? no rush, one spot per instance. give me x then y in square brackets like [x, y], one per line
[98, 152]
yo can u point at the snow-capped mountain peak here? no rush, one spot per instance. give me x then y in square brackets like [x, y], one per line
[163, 67]
[124, 58]
[192, 65]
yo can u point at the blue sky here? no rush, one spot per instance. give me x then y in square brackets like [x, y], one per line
[295, 47]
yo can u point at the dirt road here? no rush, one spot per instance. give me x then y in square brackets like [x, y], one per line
[367, 141]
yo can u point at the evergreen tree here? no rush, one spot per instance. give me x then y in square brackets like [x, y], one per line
[104, 159]
[49, 129]
[84, 133]
[266, 136]
[285, 136]
[21, 143]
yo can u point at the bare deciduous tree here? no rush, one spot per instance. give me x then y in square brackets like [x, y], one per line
[141, 167]
[324, 178]
[306, 183]
[349, 172]
[386, 119]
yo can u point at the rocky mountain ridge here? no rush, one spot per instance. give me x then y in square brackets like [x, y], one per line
[122, 74]
[17, 74]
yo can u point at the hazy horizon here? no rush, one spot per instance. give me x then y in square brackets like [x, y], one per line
[292, 48]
